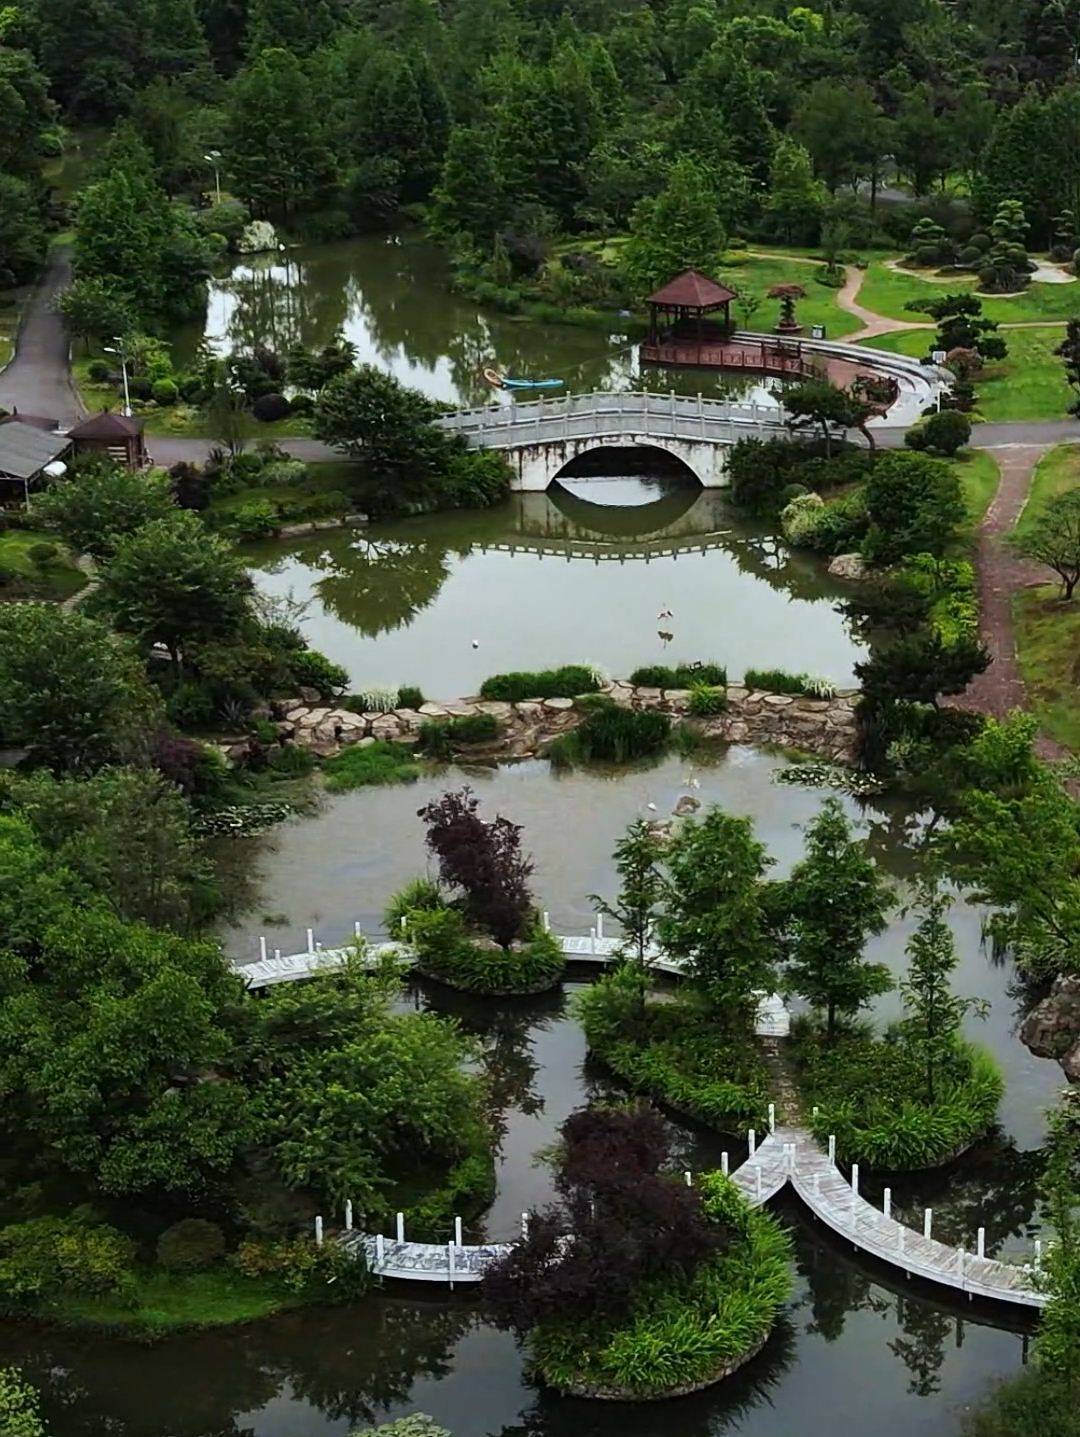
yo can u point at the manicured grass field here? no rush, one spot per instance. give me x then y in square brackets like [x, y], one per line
[757, 277]
[1030, 384]
[886, 292]
[979, 477]
[1047, 627]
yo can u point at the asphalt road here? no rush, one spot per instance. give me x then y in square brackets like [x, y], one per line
[38, 378]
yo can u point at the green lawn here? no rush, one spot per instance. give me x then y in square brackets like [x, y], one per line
[1030, 384]
[178, 420]
[169, 1301]
[1047, 628]
[1057, 470]
[886, 292]
[9, 322]
[757, 277]
[56, 579]
[979, 478]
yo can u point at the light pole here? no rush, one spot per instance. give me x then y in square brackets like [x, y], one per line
[122, 355]
[283, 252]
[214, 158]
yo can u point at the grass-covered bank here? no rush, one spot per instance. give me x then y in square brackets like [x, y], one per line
[1047, 627]
[34, 566]
[163, 1303]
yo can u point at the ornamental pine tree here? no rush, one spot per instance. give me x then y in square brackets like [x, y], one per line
[836, 899]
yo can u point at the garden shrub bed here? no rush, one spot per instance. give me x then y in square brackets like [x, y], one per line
[445, 951]
[684, 1335]
[564, 683]
[466, 1191]
[668, 1051]
[613, 735]
[776, 681]
[870, 1094]
[357, 766]
[681, 676]
[440, 737]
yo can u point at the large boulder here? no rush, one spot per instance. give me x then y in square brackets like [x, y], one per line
[848, 566]
[1052, 1028]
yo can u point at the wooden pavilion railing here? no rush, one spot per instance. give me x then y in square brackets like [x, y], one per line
[773, 359]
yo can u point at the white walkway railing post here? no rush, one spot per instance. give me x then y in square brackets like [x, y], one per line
[348, 1214]
[689, 1179]
[854, 1179]
[400, 1227]
[1038, 1254]
[980, 1242]
[318, 1232]
[751, 1139]
[457, 1231]
[380, 1250]
[311, 940]
[886, 1206]
[262, 947]
[772, 1117]
[927, 1222]
[450, 1264]
[832, 1149]
[724, 1164]
[524, 1224]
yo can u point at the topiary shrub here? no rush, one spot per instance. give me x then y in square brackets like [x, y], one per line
[269, 408]
[981, 242]
[970, 257]
[42, 553]
[310, 669]
[98, 370]
[302, 405]
[191, 1245]
[409, 697]
[165, 392]
[943, 432]
[681, 676]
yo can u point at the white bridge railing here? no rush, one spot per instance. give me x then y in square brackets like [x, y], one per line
[607, 415]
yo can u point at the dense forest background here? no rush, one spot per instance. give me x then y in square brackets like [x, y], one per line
[504, 124]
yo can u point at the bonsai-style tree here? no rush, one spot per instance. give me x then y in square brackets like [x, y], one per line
[1068, 351]
[934, 1014]
[821, 403]
[960, 325]
[835, 899]
[483, 860]
[1054, 539]
[787, 294]
[1007, 267]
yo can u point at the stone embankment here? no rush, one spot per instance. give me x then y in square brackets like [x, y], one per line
[818, 726]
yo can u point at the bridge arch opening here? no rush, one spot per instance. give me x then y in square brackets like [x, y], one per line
[627, 476]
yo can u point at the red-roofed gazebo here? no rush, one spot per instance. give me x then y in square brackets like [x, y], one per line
[677, 312]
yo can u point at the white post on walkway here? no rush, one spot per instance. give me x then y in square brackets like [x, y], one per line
[524, 1224]
[1038, 1254]
[277, 952]
[348, 1214]
[262, 947]
[457, 1231]
[751, 1138]
[547, 921]
[724, 1164]
[832, 1149]
[689, 1179]
[854, 1179]
[600, 926]
[980, 1243]
[450, 1263]
[318, 1232]
[400, 1226]
[592, 940]
[380, 1250]
[927, 1221]
[886, 1206]
[356, 928]
[311, 940]
[814, 1112]
[772, 1117]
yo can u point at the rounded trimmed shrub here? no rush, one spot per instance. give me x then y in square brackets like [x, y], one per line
[165, 392]
[257, 519]
[269, 408]
[191, 1245]
[42, 553]
[98, 370]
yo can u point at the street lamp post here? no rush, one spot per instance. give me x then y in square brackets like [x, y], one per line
[121, 354]
[214, 158]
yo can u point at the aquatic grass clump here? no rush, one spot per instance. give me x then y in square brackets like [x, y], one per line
[706, 701]
[613, 735]
[446, 950]
[776, 681]
[681, 676]
[440, 737]
[376, 700]
[409, 697]
[564, 683]
[819, 774]
[360, 765]
[869, 1092]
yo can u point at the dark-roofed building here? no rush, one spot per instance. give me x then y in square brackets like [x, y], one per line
[677, 312]
[120, 436]
[26, 452]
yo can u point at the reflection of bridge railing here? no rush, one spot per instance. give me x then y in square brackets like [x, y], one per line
[614, 553]
[607, 415]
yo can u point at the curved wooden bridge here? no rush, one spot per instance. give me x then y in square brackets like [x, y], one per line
[788, 1154]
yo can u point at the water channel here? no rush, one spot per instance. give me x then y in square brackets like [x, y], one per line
[579, 573]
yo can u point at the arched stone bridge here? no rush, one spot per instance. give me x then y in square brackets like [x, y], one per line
[540, 437]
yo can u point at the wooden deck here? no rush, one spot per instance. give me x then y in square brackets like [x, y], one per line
[773, 361]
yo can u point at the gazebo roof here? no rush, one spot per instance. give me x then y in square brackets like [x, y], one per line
[692, 290]
[107, 425]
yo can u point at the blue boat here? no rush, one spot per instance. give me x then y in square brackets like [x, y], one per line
[500, 381]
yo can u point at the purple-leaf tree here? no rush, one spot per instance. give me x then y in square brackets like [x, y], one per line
[484, 861]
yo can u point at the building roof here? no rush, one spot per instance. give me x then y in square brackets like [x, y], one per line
[25, 450]
[692, 290]
[107, 425]
[38, 421]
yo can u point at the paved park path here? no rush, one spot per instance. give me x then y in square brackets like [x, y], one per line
[38, 378]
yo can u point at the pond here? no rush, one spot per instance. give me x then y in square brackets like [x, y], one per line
[579, 574]
[906, 1361]
[391, 296]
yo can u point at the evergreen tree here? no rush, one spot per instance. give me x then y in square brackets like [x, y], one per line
[835, 900]
[175, 44]
[299, 26]
[715, 918]
[90, 50]
[25, 111]
[279, 158]
[1068, 351]
[467, 199]
[729, 91]
[638, 862]
[680, 229]
[934, 1015]
[794, 199]
[22, 234]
